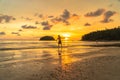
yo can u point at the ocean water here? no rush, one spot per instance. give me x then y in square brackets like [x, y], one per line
[12, 51]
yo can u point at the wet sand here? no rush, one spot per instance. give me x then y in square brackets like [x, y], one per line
[103, 64]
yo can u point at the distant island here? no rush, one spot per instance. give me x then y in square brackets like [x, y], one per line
[47, 38]
[103, 35]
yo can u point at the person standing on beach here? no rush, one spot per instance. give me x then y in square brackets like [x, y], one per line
[59, 42]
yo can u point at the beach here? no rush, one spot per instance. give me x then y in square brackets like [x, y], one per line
[75, 62]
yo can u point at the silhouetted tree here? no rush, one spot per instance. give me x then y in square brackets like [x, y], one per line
[103, 35]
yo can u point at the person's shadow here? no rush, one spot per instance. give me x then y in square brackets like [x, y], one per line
[60, 56]
[59, 51]
[60, 60]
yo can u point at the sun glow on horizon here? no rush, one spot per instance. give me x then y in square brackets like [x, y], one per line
[66, 36]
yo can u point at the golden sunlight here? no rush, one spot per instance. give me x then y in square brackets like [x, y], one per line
[66, 36]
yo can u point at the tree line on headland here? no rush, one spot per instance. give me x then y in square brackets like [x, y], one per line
[103, 35]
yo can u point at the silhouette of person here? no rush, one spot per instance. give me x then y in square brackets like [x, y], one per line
[59, 41]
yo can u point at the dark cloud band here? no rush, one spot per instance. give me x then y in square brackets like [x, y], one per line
[28, 27]
[6, 18]
[107, 16]
[2, 33]
[95, 13]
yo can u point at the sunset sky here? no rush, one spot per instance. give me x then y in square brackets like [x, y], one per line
[32, 19]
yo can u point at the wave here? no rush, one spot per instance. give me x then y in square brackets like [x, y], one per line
[22, 48]
[39, 45]
[26, 42]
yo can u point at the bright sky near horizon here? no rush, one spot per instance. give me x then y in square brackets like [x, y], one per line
[31, 19]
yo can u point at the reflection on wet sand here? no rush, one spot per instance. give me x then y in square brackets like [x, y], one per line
[63, 71]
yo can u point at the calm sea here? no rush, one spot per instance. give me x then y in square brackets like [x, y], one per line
[11, 51]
